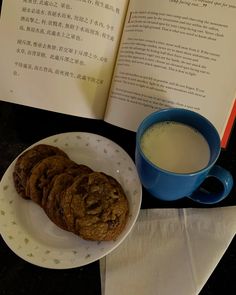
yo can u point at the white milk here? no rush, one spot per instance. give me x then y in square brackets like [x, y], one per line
[175, 147]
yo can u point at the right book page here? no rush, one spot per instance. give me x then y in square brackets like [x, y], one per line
[175, 54]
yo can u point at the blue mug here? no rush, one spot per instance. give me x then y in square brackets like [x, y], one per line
[170, 186]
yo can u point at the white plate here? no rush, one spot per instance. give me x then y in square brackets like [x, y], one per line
[31, 235]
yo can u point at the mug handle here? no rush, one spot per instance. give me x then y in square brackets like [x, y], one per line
[203, 196]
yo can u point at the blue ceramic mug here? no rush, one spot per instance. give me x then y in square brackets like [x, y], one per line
[170, 186]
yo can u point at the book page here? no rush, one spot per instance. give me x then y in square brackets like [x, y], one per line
[59, 55]
[175, 53]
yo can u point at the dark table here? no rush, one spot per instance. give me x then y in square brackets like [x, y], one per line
[22, 126]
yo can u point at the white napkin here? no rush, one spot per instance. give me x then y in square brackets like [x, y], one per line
[169, 251]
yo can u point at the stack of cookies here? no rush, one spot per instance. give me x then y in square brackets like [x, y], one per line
[90, 204]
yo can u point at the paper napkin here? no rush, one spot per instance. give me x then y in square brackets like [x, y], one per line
[169, 251]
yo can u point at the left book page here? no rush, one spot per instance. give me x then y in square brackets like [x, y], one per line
[59, 55]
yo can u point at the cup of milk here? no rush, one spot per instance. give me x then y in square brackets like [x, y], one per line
[176, 150]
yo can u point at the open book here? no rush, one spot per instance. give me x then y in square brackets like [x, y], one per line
[120, 60]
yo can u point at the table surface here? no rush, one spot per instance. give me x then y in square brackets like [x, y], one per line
[22, 126]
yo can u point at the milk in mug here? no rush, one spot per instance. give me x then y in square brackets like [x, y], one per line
[175, 147]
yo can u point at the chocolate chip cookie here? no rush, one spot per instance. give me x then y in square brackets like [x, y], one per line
[51, 202]
[95, 207]
[27, 161]
[42, 174]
